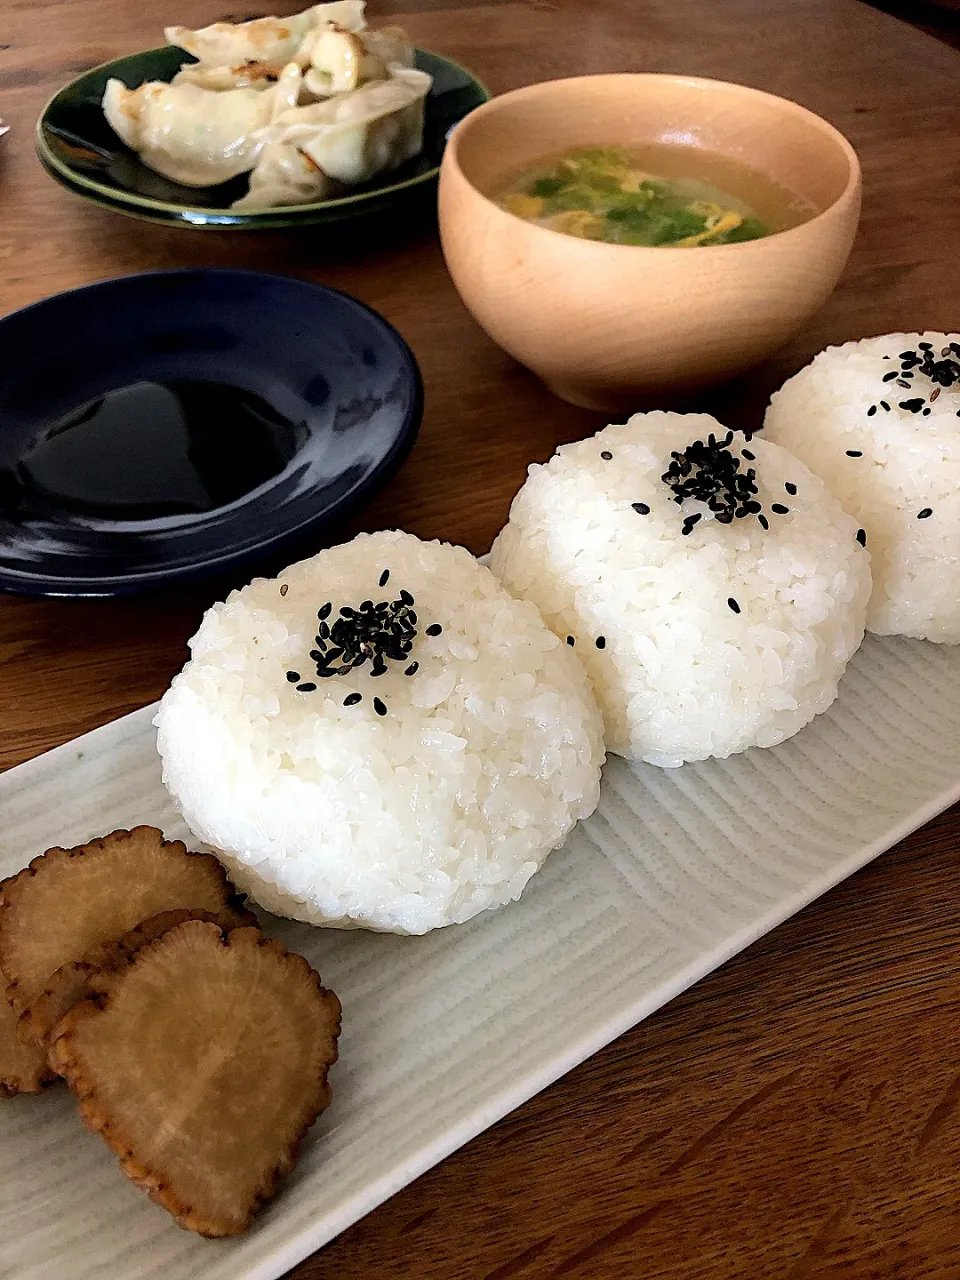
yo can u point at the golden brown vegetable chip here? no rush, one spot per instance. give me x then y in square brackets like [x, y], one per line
[70, 982]
[23, 1068]
[203, 1062]
[68, 901]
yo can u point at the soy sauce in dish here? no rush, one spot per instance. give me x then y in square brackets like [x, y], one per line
[668, 195]
[155, 449]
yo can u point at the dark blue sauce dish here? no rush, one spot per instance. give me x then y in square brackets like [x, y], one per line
[178, 424]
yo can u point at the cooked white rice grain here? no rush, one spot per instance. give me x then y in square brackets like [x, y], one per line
[897, 469]
[728, 637]
[334, 814]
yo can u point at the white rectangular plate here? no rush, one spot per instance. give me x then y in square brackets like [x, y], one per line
[443, 1035]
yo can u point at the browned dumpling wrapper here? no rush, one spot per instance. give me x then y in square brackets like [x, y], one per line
[202, 1063]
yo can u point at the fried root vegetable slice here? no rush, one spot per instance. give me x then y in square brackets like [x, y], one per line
[70, 982]
[68, 901]
[203, 1062]
[23, 1068]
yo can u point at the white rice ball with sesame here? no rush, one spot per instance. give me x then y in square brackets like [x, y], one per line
[702, 643]
[399, 799]
[878, 419]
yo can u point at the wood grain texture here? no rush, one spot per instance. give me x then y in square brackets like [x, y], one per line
[798, 1113]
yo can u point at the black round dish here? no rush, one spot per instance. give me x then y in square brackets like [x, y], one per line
[323, 362]
[80, 150]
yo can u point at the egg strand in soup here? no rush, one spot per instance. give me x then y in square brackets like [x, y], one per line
[604, 193]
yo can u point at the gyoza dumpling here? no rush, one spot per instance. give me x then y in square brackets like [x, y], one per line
[283, 175]
[249, 76]
[271, 41]
[195, 136]
[359, 134]
[341, 60]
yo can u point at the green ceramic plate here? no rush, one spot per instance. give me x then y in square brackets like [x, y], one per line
[78, 147]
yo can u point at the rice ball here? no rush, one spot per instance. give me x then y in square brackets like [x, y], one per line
[381, 737]
[713, 588]
[878, 419]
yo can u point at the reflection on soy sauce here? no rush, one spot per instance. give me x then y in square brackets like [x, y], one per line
[158, 449]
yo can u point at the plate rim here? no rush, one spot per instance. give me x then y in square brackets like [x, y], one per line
[202, 217]
[26, 583]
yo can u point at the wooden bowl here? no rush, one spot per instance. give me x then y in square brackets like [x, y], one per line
[611, 326]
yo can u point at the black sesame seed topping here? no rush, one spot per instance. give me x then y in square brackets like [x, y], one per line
[412, 670]
[606, 455]
[943, 373]
[888, 377]
[384, 578]
[571, 641]
[371, 633]
[689, 522]
[293, 676]
[763, 521]
[862, 537]
[926, 412]
[710, 473]
[925, 513]
[379, 707]
[641, 508]
[284, 588]
[352, 699]
[871, 411]
[902, 382]
[751, 457]
[601, 642]
[854, 453]
[434, 629]
[779, 508]
[791, 488]
[884, 406]
[307, 687]
[406, 598]
[733, 604]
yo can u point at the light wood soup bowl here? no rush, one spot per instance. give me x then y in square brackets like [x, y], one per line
[606, 326]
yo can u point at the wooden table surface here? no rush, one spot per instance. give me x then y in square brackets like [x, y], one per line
[797, 1114]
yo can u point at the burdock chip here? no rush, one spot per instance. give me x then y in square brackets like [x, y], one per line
[202, 1062]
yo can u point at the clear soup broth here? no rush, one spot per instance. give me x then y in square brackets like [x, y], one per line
[677, 196]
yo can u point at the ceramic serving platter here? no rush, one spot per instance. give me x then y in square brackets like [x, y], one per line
[442, 1035]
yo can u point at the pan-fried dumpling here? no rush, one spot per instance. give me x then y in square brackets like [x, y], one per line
[271, 41]
[340, 60]
[250, 76]
[283, 175]
[359, 134]
[196, 136]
